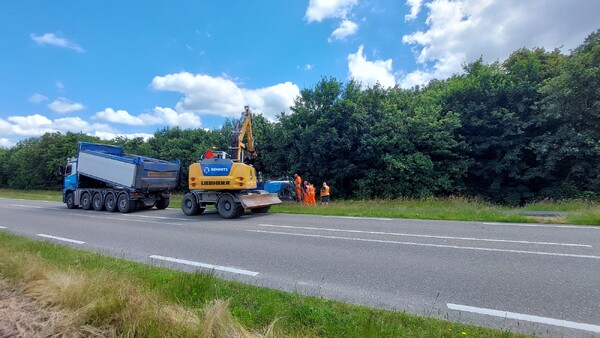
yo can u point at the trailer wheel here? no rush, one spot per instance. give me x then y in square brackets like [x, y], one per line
[228, 208]
[86, 201]
[262, 210]
[189, 206]
[125, 205]
[109, 202]
[71, 201]
[163, 203]
[97, 202]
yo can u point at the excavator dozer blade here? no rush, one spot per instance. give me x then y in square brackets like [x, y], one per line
[259, 200]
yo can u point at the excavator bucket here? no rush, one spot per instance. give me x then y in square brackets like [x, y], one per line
[259, 200]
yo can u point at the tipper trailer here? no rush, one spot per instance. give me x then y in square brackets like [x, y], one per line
[104, 177]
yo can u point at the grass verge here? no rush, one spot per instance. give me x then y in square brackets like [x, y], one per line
[105, 296]
[452, 208]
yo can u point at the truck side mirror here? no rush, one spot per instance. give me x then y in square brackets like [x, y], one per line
[61, 170]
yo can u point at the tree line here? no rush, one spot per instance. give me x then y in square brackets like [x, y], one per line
[509, 132]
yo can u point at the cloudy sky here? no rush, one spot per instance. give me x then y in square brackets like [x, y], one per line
[110, 68]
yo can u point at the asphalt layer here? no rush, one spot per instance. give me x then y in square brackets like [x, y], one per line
[452, 270]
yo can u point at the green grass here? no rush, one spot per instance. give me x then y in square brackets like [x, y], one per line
[115, 286]
[453, 208]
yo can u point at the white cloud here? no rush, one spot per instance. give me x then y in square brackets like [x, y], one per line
[63, 105]
[308, 66]
[6, 143]
[158, 116]
[204, 94]
[37, 98]
[415, 8]
[346, 29]
[60, 86]
[461, 31]
[109, 136]
[370, 72]
[322, 9]
[53, 40]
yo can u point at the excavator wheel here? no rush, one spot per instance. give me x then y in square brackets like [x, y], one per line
[228, 208]
[262, 210]
[189, 206]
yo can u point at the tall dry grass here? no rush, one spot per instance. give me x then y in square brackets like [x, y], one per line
[100, 304]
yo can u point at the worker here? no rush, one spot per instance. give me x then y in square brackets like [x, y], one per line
[325, 194]
[306, 193]
[312, 192]
[298, 182]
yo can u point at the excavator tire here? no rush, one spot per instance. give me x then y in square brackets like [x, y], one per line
[262, 210]
[163, 203]
[228, 208]
[189, 206]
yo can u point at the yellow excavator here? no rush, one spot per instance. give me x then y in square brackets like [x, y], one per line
[228, 179]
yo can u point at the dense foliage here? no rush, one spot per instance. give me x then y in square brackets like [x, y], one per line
[526, 128]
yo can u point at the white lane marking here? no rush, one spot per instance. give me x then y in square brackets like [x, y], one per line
[353, 217]
[61, 239]
[204, 265]
[430, 245]
[3, 227]
[422, 236]
[161, 217]
[27, 206]
[529, 318]
[535, 225]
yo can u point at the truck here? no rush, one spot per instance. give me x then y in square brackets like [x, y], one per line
[227, 179]
[104, 177]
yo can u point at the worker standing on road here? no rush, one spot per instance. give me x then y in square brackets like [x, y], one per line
[325, 194]
[298, 182]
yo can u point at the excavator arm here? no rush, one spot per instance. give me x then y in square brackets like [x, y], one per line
[237, 148]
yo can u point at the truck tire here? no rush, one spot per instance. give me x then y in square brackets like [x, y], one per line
[86, 201]
[125, 204]
[228, 208]
[70, 200]
[189, 206]
[262, 210]
[110, 202]
[163, 203]
[98, 202]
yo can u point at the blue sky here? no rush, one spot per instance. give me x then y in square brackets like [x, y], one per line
[110, 68]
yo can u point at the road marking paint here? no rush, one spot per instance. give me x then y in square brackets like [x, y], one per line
[430, 245]
[590, 227]
[353, 217]
[423, 236]
[529, 318]
[61, 239]
[160, 217]
[3, 227]
[207, 266]
[27, 206]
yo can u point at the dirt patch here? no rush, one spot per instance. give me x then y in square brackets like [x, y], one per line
[21, 316]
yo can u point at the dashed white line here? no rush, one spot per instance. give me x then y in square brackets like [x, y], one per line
[535, 225]
[525, 317]
[355, 217]
[430, 245]
[61, 239]
[423, 236]
[206, 266]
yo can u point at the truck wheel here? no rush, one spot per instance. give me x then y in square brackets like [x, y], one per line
[163, 203]
[71, 201]
[189, 206]
[86, 201]
[97, 202]
[125, 205]
[262, 210]
[228, 208]
[109, 202]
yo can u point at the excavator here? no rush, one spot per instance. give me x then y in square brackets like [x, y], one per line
[228, 179]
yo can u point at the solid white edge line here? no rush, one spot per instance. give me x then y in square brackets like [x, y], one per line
[206, 266]
[424, 236]
[429, 245]
[3, 227]
[537, 225]
[61, 239]
[356, 217]
[529, 318]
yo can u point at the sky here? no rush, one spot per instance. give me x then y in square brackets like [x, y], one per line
[129, 68]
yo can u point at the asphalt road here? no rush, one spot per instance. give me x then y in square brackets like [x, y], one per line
[542, 279]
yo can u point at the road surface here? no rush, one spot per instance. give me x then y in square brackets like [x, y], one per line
[532, 278]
